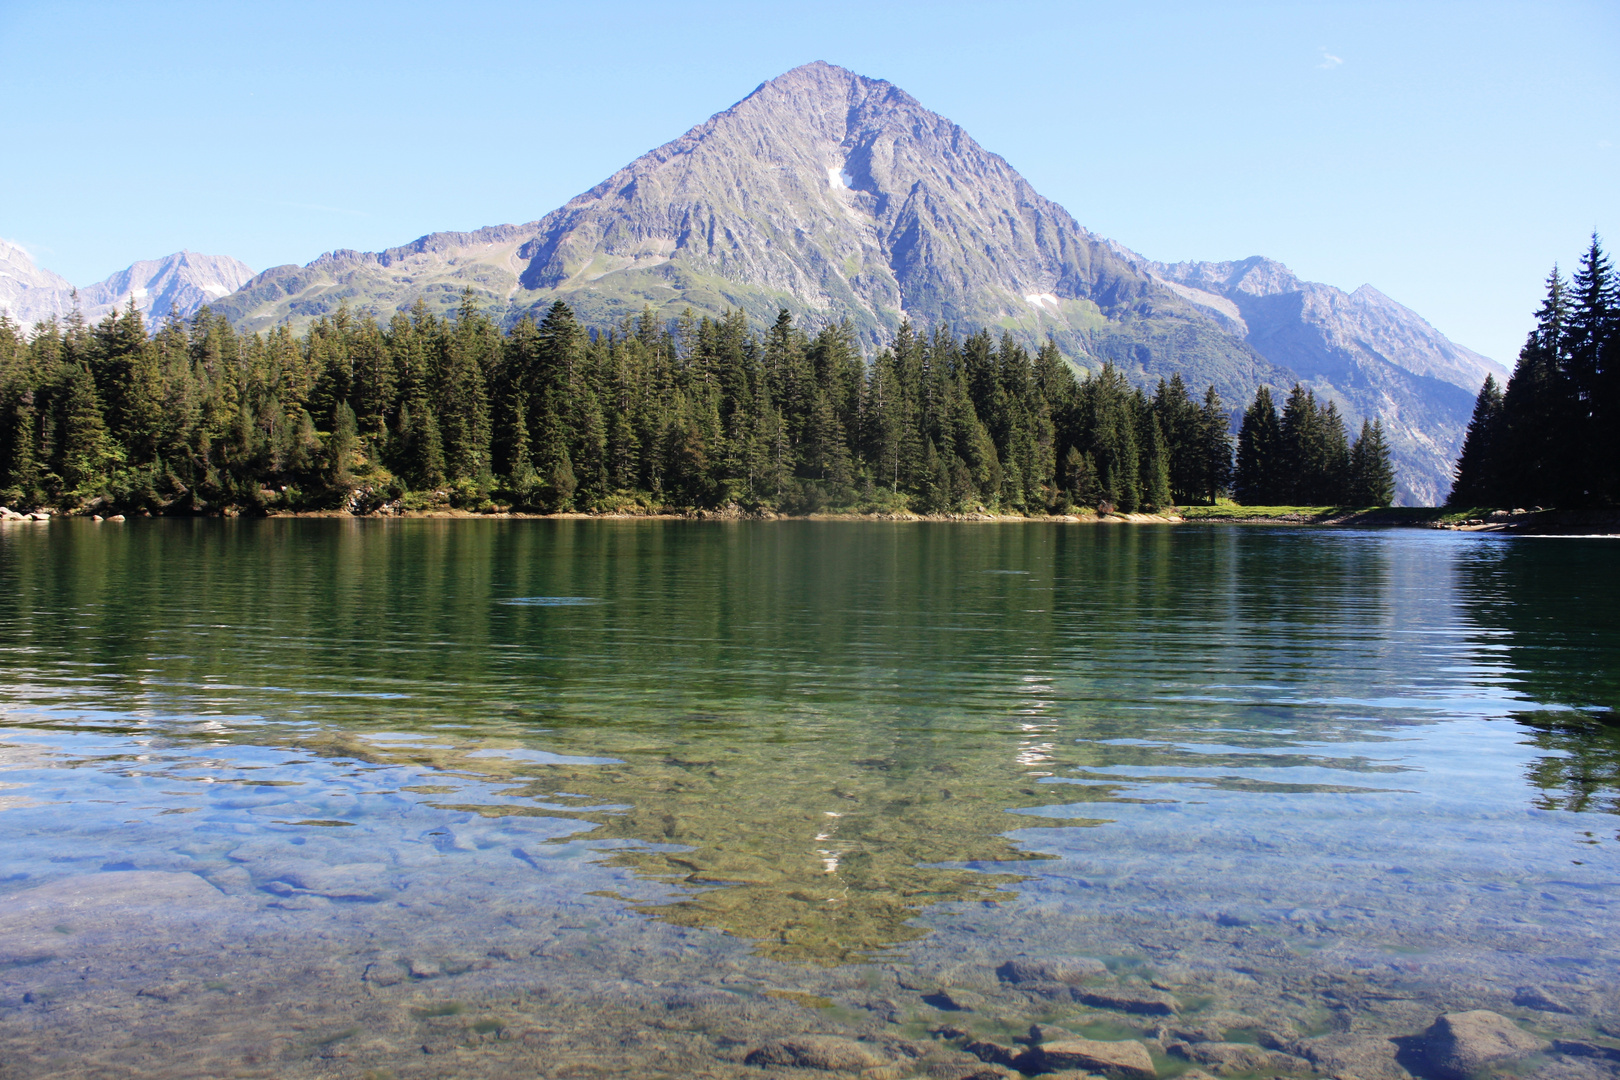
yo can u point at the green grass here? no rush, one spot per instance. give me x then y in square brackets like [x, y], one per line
[1226, 510]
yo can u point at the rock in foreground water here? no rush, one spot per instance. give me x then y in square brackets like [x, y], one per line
[1127, 1060]
[1459, 1045]
[1063, 969]
[825, 1052]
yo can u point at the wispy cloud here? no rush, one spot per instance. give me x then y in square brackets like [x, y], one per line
[1329, 61]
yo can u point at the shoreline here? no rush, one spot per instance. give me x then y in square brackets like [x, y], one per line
[1509, 522]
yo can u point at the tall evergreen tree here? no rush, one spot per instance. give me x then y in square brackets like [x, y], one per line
[1371, 473]
[1259, 453]
[1534, 405]
[1477, 480]
[1211, 449]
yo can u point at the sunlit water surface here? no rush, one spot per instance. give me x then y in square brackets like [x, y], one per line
[583, 798]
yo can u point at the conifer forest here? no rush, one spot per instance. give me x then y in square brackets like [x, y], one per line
[689, 413]
[1551, 437]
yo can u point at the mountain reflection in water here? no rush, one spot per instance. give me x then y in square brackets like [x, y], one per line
[880, 758]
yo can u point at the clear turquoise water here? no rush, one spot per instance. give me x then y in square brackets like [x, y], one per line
[325, 797]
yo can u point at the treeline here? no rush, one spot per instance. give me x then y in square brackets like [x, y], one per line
[694, 412]
[1552, 438]
[1304, 458]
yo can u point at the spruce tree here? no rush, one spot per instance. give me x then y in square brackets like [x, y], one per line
[1585, 441]
[84, 450]
[1534, 405]
[1259, 453]
[1211, 450]
[1478, 482]
[1371, 473]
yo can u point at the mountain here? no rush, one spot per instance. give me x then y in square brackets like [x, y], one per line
[839, 196]
[830, 194]
[1378, 358]
[28, 293]
[178, 284]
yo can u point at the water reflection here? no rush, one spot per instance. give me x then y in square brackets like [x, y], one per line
[667, 755]
[1545, 616]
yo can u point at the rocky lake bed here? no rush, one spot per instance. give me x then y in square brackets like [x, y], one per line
[585, 799]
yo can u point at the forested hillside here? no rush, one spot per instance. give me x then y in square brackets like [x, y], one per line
[697, 412]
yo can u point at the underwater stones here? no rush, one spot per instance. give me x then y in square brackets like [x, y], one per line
[1580, 1048]
[110, 901]
[826, 1052]
[1461, 1044]
[955, 1000]
[1127, 1060]
[1534, 997]
[1069, 970]
[382, 975]
[1234, 1059]
[351, 882]
[1361, 1057]
[1130, 1000]
[165, 992]
[992, 1053]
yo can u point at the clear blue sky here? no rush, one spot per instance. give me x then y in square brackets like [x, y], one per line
[1446, 153]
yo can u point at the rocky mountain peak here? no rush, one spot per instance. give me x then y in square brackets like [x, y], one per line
[838, 196]
[177, 285]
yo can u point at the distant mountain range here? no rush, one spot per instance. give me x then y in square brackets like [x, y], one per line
[178, 284]
[838, 196]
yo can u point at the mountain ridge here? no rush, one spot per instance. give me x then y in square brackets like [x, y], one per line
[834, 195]
[179, 285]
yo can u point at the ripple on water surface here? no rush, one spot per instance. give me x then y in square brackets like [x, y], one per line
[291, 796]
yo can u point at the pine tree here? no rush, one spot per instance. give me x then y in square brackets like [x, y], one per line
[1478, 478]
[1259, 453]
[1584, 442]
[1533, 406]
[1211, 449]
[340, 446]
[1180, 419]
[85, 450]
[1154, 458]
[1372, 475]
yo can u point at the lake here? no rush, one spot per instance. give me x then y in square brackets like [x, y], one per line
[490, 798]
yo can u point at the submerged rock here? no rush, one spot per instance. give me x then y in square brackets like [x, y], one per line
[1365, 1057]
[994, 1053]
[1461, 1044]
[1580, 1048]
[954, 1000]
[1143, 1002]
[1064, 969]
[826, 1052]
[982, 1072]
[1236, 1059]
[1128, 1060]
[1534, 997]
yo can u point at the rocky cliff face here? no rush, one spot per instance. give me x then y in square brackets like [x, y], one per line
[1324, 331]
[29, 294]
[838, 196]
[1376, 357]
[830, 194]
[177, 285]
